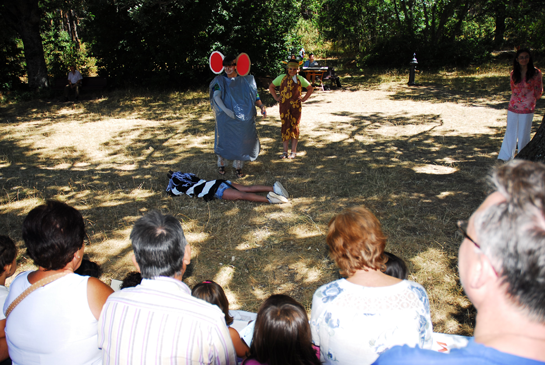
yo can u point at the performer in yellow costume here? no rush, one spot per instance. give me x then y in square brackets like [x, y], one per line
[290, 99]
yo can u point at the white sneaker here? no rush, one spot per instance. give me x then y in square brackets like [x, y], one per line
[276, 198]
[280, 190]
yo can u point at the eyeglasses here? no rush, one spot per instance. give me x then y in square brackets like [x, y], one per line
[462, 229]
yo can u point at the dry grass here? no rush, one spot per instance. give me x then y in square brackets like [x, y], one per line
[415, 156]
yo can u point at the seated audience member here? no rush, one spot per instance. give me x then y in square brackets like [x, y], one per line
[213, 293]
[282, 334]
[396, 267]
[89, 268]
[355, 319]
[310, 62]
[57, 322]
[74, 83]
[8, 263]
[329, 75]
[501, 263]
[184, 329]
[131, 280]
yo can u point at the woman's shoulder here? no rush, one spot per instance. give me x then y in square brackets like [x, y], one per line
[331, 290]
[20, 280]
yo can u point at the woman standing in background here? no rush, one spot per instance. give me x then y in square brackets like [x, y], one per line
[526, 88]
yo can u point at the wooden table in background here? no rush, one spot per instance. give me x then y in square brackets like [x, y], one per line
[312, 72]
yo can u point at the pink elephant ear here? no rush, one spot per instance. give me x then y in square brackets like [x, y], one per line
[243, 64]
[216, 62]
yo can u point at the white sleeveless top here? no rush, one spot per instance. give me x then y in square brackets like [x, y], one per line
[53, 325]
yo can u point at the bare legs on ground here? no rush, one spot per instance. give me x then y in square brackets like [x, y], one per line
[247, 193]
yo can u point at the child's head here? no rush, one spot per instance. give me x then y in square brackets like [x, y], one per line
[8, 254]
[396, 267]
[282, 333]
[213, 293]
[89, 268]
[132, 279]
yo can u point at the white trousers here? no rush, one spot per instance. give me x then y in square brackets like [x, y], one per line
[518, 126]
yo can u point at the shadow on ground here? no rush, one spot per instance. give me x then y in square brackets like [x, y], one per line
[418, 186]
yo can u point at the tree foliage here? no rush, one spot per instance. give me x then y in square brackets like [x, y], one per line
[443, 32]
[167, 43]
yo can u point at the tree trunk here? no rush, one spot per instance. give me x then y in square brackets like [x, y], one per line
[500, 27]
[24, 17]
[535, 149]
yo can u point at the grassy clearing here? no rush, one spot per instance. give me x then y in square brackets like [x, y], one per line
[416, 157]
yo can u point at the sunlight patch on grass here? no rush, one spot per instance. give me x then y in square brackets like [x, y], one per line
[435, 169]
[224, 275]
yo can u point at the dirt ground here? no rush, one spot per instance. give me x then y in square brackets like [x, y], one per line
[417, 157]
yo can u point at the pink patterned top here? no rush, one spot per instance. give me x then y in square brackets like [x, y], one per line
[525, 94]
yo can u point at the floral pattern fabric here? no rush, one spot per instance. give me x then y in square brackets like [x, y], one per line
[525, 94]
[290, 105]
[353, 324]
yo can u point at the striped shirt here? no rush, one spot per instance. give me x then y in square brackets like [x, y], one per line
[159, 322]
[192, 185]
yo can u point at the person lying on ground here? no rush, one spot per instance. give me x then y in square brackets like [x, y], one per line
[190, 184]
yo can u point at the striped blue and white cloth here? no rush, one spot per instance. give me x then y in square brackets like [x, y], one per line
[190, 184]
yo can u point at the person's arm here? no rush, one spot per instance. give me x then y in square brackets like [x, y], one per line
[80, 78]
[538, 90]
[4, 354]
[217, 99]
[272, 90]
[240, 347]
[97, 293]
[261, 106]
[310, 89]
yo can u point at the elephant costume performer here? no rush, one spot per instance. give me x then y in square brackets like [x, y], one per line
[233, 97]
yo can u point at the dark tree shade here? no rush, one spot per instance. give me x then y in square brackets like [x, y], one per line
[24, 17]
[167, 43]
[535, 150]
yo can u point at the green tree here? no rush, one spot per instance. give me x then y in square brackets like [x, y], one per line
[167, 43]
[24, 16]
[388, 32]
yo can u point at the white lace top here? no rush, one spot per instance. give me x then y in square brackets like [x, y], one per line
[353, 324]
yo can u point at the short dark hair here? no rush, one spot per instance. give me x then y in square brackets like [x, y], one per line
[311, 54]
[89, 268]
[132, 279]
[282, 333]
[8, 252]
[213, 293]
[512, 234]
[159, 244]
[229, 59]
[53, 233]
[396, 267]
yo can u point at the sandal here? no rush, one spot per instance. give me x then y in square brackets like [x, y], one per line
[292, 155]
[221, 170]
[284, 155]
[239, 173]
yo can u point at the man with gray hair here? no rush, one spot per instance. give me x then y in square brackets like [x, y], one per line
[502, 269]
[158, 321]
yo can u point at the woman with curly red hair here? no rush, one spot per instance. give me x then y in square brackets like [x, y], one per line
[356, 318]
